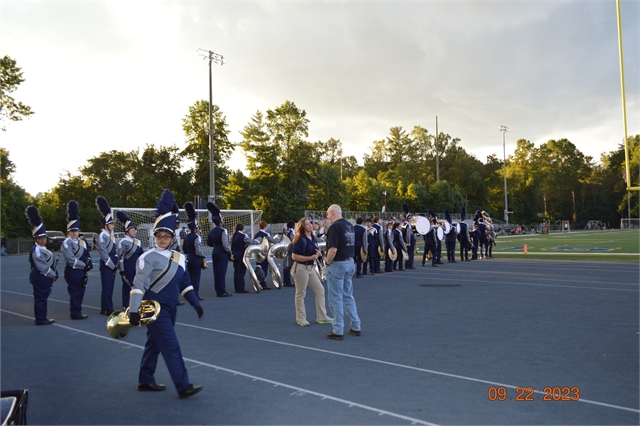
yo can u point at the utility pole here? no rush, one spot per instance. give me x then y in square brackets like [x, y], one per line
[505, 129]
[218, 59]
[437, 153]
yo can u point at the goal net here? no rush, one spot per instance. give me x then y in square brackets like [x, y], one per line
[145, 218]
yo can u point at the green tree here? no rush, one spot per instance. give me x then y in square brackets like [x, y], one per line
[11, 78]
[281, 163]
[196, 127]
[14, 200]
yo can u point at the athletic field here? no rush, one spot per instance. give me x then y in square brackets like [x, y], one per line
[526, 341]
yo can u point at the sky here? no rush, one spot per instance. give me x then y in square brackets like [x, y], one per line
[105, 75]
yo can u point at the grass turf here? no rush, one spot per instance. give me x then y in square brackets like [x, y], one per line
[607, 245]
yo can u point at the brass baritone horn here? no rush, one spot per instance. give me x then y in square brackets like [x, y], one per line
[118, 323]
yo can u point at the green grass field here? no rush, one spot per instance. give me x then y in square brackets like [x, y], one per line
[578, 245]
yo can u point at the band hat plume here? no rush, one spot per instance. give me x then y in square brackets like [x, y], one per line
[447, 216]
[105, 210]
[167, 219]
[37, 226]
[124, 219]
[192, 217]
[73, 216]
[215, 213]
[463, 213]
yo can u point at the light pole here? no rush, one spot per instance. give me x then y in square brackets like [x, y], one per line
[384, 208]
[340, 154]
[218, 59]
[505, 129]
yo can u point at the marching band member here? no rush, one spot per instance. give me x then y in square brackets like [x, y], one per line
[239, 243]
[360, 243]
[409, 238]
[450, 238]
[77, 262]
[430, 243]
[380, 244]
[290, 232]
[372, 246]
[192, 248]
[463, 236]
[161, 276]
[482, 236]
[43, 269]
[400, 246]
[475, 238]
[438, 252]
[218, 238]
[262, 233]
[129, 250]
[391, 250]
[108, 256]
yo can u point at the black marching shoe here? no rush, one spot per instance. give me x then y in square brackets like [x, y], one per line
[45, 322]
[266, 288]
[200, 298]
[79, 317]
[225, 295]
[180, 303]
[151, 387]
[190, 391]
[358, 276]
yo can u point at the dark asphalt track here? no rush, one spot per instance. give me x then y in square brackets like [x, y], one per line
[434, 341]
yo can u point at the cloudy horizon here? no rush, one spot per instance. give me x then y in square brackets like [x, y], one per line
[120, 75]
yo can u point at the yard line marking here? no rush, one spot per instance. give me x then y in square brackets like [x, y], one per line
[296, 389]
[393, 364]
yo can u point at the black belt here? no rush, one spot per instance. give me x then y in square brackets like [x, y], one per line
[308, 262]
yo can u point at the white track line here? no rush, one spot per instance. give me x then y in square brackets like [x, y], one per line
[409, 367]
[252, 377]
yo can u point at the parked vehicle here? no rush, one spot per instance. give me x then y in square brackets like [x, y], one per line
[91, 239]
[55, 240]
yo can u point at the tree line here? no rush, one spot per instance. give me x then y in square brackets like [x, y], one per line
[288, 174]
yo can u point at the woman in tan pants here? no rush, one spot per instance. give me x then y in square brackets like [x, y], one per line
[304, 253]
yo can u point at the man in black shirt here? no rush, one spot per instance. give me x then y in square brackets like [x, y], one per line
[340, 270]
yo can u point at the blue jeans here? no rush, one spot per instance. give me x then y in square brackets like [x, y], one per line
[340, 289]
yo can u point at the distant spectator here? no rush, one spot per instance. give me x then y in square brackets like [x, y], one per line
[4, 246]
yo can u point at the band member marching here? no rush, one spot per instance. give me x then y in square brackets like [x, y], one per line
[400, 246]
[129, 250]
[78, 262]
[391, 252]
[463, 236]
[361, 244]
[108, 256]
[239, 243]
[43, 268]
[218, 238]
[192, 248]
[450, 239]
[372, 243]
[430, 242]
[175, 244]
[381, 246]
[409, 238]
[161, 276]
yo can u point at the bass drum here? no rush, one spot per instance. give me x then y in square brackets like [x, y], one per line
[420, 225]
[458, 228]
[440, 233]
[447, 228]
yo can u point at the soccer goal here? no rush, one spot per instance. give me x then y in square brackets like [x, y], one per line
[145, 218]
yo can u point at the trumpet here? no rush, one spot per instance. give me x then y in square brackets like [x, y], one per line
[118, 323]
